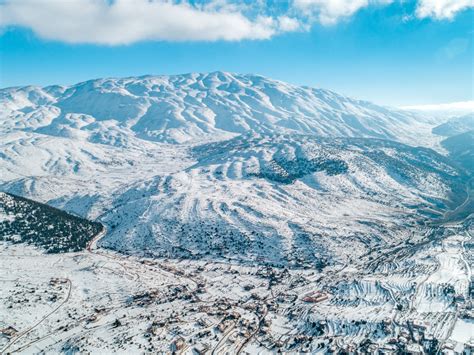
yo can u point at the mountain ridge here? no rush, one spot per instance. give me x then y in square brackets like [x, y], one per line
[193, 107]
[164, 161]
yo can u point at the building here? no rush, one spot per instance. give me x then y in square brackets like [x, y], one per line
[414, 349]
[200, 349]
[417, 324]
[177, 344]
[8, 332]
[315, 297]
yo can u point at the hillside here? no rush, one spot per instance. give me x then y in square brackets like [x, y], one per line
[26, 221]
[286, 198]
[225, 165]
[461, 149]
[240, 212]
[455, 126]
[196, 107]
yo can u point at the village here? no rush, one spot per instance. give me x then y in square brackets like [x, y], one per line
[201, 307]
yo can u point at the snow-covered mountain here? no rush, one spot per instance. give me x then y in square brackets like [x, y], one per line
[456, 125]
[459, 141]
[225, 165]
[285, 198]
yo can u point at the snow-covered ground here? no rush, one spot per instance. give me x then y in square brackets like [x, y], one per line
[261, 190]
[154, 159]
[97, 300]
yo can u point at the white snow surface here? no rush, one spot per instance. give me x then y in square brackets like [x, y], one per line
[197, 107]
[239, 166]
[239, 172]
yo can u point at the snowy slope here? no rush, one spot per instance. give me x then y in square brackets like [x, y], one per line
[224, 165]
[27, 221]
[457, 125]
[459, 141]
[197, 107]
[461, 149]
[285, 198]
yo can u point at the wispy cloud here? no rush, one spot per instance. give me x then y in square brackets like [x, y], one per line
[442, 9]
[330, 12]
[454, 48]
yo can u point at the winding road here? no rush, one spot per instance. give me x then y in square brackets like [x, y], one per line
[27, 331]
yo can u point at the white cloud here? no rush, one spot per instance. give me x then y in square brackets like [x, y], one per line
[329, 12]
[289, 24]
[450, 109]
[442, 9]
[462, 105]
[115, 22]
[127, 21]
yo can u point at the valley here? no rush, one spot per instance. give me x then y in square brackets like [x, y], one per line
[225, 213]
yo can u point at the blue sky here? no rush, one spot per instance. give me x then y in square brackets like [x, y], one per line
[389, 52]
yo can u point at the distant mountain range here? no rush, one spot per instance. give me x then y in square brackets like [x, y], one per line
[459, 141]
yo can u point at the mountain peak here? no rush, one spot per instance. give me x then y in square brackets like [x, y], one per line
[195, 107]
